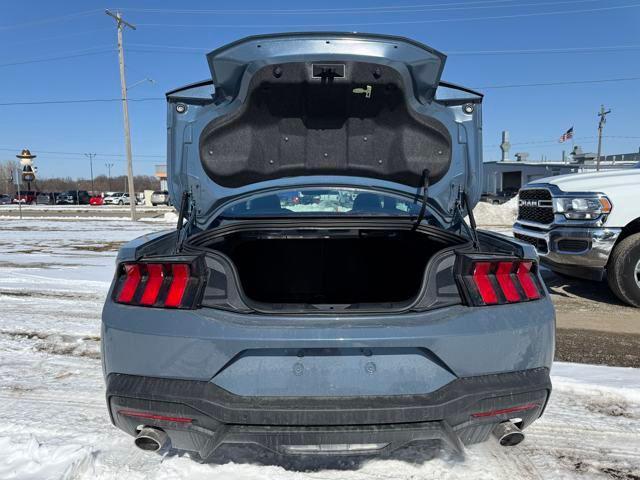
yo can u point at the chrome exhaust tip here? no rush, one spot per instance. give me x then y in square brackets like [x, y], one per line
[151, 439]
[508, 434]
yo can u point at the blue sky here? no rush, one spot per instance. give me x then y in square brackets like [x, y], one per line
[168, 46]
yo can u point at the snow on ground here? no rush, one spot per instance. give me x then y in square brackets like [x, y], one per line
[54, 423]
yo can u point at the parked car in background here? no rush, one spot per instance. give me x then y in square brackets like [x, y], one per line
[5, 199]
[44, 199]
[96, 200]
[367, 320]
[117, 198]
[160, 197]
[586, 225]
[27, 197]
[73, 197]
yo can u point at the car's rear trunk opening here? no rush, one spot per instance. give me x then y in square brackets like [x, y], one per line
[332, 267]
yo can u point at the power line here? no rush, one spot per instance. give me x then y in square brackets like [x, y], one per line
[60, 57]
[177, 47]
[547, 50]
[384, 8]
[80, 154]
[544, 143]
[55, 37]
[552, 84]
[364, 10]
[49, 20]
[539, 142]
[84, 100]
[406, 22]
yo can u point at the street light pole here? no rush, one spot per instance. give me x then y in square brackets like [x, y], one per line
[109, 165]
[90, 157]
[121, 24]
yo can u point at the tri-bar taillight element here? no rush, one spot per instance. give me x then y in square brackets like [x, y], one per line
[498, 280]
[159, 283]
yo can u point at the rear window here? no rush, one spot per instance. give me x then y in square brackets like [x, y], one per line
[325, 201]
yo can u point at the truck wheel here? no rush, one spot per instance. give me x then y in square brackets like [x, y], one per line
[623, 273]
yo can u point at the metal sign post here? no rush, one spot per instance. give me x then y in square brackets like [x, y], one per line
[17, 177]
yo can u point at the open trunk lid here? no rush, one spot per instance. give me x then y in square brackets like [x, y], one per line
[323, 109]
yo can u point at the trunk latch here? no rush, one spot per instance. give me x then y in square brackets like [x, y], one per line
[327, 71]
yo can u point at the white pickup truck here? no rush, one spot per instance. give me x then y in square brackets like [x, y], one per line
[586, 225]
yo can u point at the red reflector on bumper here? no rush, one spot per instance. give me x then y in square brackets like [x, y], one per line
[153, 416]
[503, 411]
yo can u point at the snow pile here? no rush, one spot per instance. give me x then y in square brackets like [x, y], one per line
[487, 214]
[171, 217]
[35, 461]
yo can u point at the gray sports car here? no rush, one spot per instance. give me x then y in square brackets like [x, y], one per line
[322, 294]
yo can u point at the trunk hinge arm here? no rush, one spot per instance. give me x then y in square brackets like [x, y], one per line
[424, 184]
[463, 199]
[188, 211]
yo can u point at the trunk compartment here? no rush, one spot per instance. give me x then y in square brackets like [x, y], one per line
[332, 267]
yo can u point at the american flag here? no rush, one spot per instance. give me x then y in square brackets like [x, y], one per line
[566, 135]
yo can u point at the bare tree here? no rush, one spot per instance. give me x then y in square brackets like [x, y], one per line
[7, 167]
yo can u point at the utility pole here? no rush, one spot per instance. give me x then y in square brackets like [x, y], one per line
[603, 119]
[121, 24]
[90, 156]
[109, 165]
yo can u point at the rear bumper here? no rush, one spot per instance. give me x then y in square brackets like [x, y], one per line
[205, 343]
[209, 419]
[589, 253]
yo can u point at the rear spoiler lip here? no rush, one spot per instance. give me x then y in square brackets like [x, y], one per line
[322, 34]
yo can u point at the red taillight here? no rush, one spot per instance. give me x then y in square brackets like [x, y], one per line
[526, 280]
[180, 274]
[131, 282]
[495, 282]
[503, 275]
[483, 282]
[159, 284]
[155, 278]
